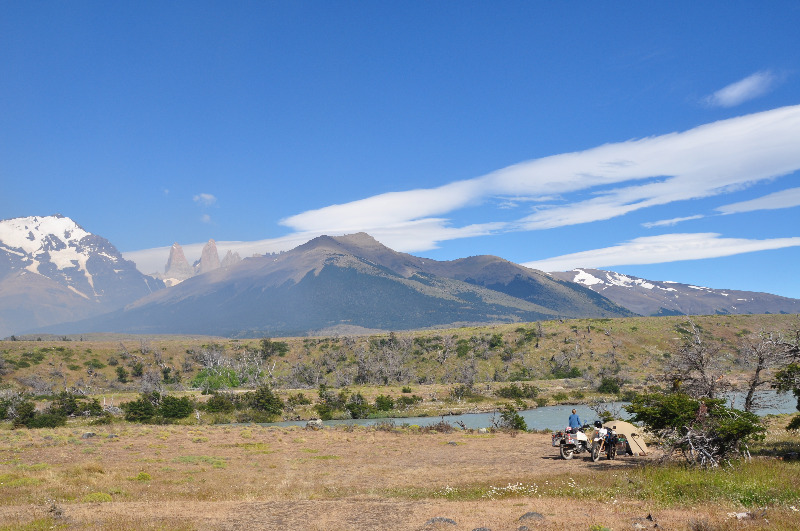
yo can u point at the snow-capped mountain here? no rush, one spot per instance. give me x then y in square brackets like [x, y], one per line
[52, 270]
[653, 297]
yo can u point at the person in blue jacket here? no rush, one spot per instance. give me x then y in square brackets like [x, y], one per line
[575, 420]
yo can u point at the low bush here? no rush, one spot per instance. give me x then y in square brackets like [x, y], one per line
[220, 403]
[156, 408]
[210, 380]
[514, 391]
[510, 419]
[608, 386]
[384, 403]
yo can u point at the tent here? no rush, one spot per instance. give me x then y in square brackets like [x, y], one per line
[632, 433]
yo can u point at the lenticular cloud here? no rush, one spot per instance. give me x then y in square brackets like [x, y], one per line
[708, 160]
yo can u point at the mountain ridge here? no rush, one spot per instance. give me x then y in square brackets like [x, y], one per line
[654, 297]
[351, 280]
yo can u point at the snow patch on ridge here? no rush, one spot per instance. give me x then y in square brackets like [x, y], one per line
[582, 277]
[30, 233]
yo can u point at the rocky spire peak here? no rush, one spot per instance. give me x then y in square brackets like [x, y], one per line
[177, 266]
[209, 259]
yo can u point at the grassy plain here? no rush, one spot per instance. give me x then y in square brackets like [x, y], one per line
[201, 476]
[353, 478]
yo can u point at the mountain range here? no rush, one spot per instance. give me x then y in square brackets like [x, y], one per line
[653, 297]
[57, 278]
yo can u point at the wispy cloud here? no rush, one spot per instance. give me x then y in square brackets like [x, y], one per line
[709, 160]
[660, 249]
[670, 222]
[205, 218]
[568, 189]
[204, 199]
[784, 199]
[743, 90]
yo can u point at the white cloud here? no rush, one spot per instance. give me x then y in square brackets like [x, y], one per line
[784, 199]
[711, 159]
[204, 199]
[205, 218]
[661, 249]
[746, 89]
[670, 222]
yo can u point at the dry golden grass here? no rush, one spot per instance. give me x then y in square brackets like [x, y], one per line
[253, 477]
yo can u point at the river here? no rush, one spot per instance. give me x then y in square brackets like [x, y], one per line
[546, 417]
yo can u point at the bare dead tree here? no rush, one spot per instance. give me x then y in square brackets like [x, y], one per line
[761, 353]
[151, 381]
[698, 368]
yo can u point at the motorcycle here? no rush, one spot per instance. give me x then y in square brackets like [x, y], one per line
[609, 441]
[571, 441]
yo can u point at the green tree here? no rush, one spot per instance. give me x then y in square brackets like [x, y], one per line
[510, 419]
[608, 386]
[704, 431]
[358, 406]
[271, 348]
[266, 401]
[172, 407]
[384, 403]
[220, 403]
[142, 409]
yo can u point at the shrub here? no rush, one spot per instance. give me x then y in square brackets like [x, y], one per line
[384, 403]
[462, 348]
[496, 341]
[220, 403]
[263, 399]
[25, 414]
[68, 404]
[704, 431]
[271, 348]
[565, 372]
[608, 386]
[358, 407]
[122, 374]
[210, 380]
[510, 419]
[407, 401]
[140, 410]
[463, 391]
[97, 497]
[46, 420]
[94, 363]
[514, 391]
[175, 408]
[298, 399]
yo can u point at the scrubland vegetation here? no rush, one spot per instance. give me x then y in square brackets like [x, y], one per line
[102, 428]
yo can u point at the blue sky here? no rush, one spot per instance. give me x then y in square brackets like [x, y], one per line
[657, 140]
